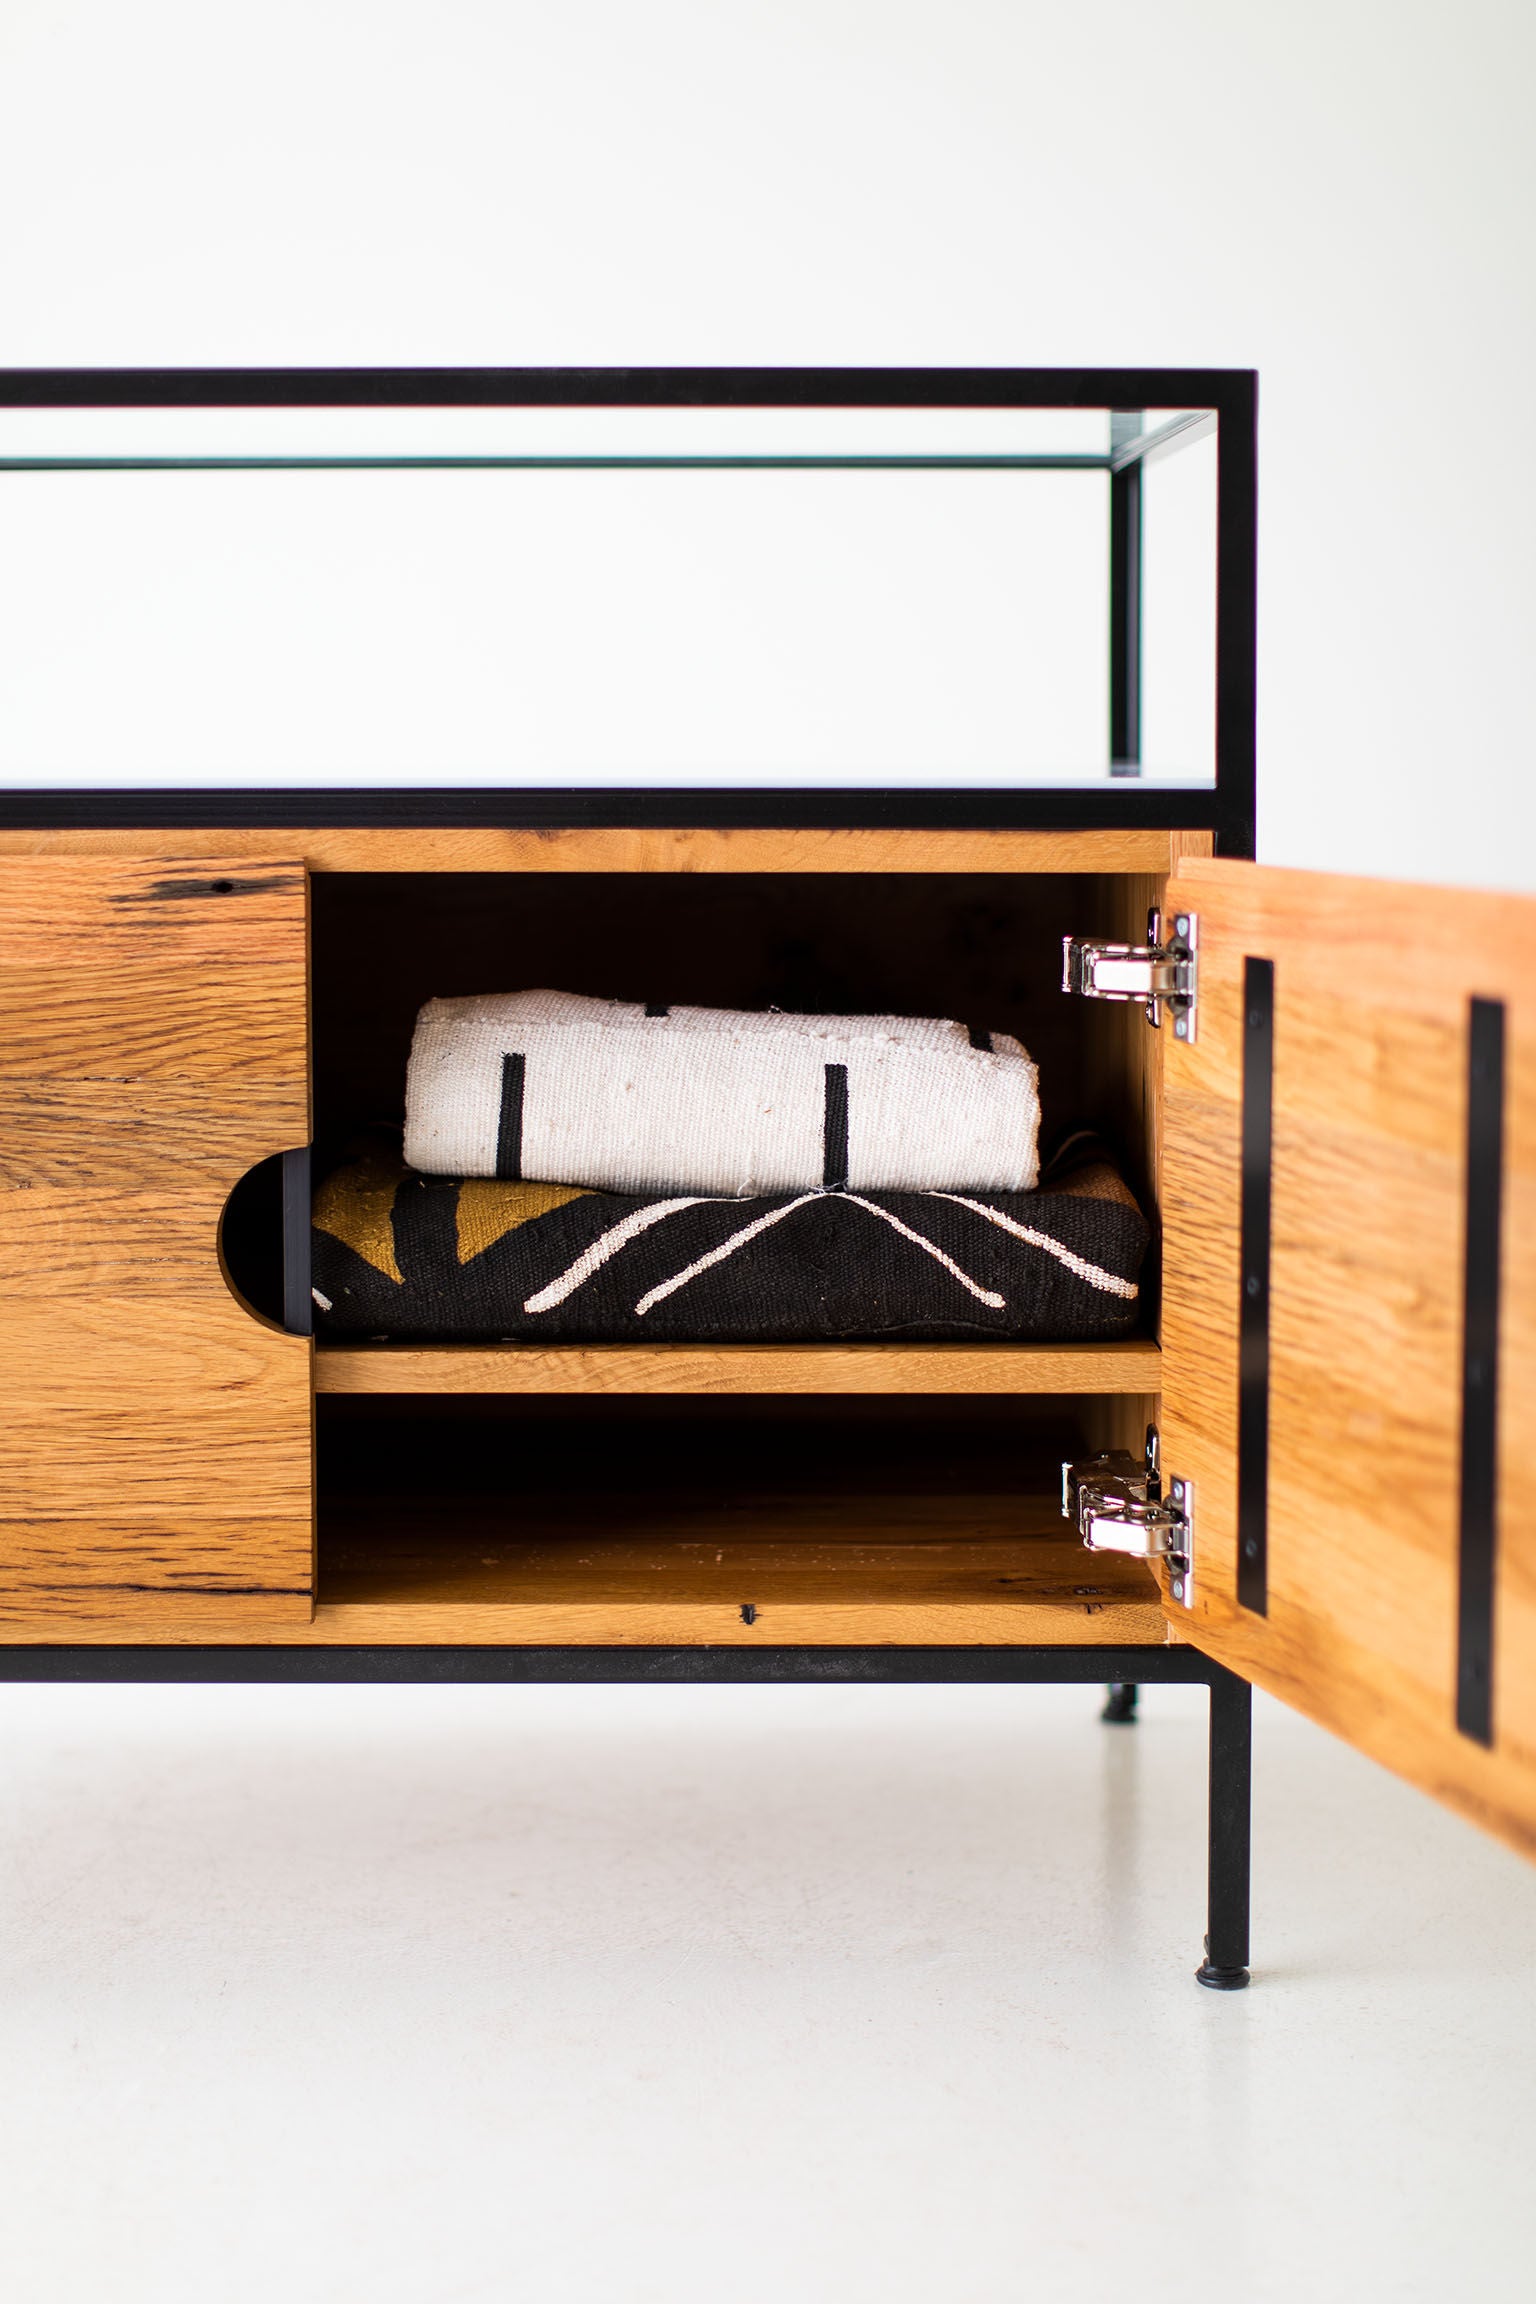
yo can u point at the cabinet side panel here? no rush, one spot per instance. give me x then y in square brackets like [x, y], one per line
[1372, 995]
[156, 1455]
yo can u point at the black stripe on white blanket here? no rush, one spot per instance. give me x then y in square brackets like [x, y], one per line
[834, 1130]
[980, 1039]
[509, 1131]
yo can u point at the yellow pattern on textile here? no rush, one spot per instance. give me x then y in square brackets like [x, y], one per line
[489, 1211]
[356, 1205]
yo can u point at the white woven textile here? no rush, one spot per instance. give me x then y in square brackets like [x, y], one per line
[579, 1091]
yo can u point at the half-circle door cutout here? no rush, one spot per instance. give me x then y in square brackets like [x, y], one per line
[264, 1241]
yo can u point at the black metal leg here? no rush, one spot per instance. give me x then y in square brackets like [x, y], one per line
[1120, 1703]
[1225, 1966]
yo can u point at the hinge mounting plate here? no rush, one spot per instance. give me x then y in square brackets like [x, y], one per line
[1162, 973]
[1117, 1504]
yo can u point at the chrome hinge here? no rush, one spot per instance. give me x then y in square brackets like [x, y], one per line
[1158, 973]
[1117, 1505]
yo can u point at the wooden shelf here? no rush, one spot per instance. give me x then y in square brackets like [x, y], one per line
[678, 1569]
[1134, 1366]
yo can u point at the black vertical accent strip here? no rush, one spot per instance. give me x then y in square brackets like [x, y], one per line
[1253, 1318]
[1480, 1371]
[298, 1303]
[834, 1136]
[509, 1132]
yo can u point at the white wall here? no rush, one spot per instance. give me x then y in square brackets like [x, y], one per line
[1339, 195]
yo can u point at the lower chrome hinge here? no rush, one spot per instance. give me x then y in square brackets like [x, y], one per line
[1160, 973]
[1117, 1505]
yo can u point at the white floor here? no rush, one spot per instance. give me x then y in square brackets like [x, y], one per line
[738, 1995]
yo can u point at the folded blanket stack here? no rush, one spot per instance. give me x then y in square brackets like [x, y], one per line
[629, 1099]
[584, 1170]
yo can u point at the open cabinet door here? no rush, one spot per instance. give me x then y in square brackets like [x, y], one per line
[155, 1445]
[1350, 1315]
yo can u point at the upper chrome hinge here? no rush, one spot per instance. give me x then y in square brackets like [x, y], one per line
[1159, 974]
[1117, 1505]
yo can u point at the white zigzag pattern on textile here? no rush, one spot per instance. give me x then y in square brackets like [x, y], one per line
[607, 1244]
[1094, 1274]
[619, 1235]
[750, 1232]
[997, 1303]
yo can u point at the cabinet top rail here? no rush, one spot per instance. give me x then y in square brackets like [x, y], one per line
[1229, 390]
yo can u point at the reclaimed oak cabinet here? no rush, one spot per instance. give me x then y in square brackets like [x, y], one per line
[1322, 1089]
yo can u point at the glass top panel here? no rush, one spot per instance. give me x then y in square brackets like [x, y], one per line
[681, 434]
[592, 597]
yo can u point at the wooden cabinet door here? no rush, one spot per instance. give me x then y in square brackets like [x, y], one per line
[155, 1442]
[1350, 1315]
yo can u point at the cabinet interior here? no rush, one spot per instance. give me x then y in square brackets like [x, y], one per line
[824, 1493]
[983, 948]
[668, 1518]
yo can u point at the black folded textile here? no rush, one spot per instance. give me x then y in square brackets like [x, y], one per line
[405, 1257]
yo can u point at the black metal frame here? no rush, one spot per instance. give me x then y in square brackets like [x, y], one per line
[1227, 809]
[1225, 1965]
[1125, 569]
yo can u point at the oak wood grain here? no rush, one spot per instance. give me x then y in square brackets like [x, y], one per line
[106, 1616]
[109, 1132]
[490, 849]
[93, 1245]
[155, 1454]
[1372, 983]
[901, 1622]
[150, 909]
[1018, 1368]
[684, 1569]
[139, 1550]
[148, 1021]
